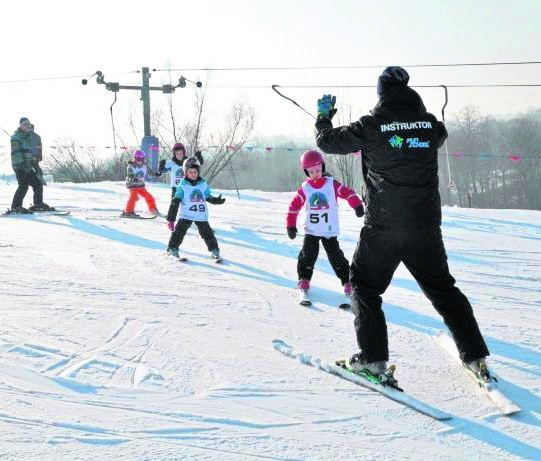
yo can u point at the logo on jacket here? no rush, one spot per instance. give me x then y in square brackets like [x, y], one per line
[318, 201]
[196, 196]
[396, 141]
[414, 143]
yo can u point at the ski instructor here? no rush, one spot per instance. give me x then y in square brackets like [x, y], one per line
[399, 144]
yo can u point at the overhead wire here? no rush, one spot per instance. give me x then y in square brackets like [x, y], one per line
[269, 68]
[508, 63]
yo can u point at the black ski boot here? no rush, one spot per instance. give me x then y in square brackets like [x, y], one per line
[479, 370]
[19, 210]
[42, 207]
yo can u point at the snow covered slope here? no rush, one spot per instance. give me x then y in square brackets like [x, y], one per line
[111, 350]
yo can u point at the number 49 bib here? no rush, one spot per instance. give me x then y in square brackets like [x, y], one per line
[321, 210]
[193, 205]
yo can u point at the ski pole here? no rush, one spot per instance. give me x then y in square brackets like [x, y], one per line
[289, 99]
[445, 143]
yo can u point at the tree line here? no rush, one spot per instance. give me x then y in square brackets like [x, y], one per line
[482, 176]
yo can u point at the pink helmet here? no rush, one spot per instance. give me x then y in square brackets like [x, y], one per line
[138, 155]
[179, 146]
[312, 158]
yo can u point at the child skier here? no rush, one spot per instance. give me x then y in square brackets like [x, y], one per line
[191, 194]
[174, 165]
[319, 195]
[135, 182]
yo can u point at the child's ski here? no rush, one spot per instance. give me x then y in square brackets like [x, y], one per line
[52, 212]
[137, 216]
[387, 391]
[504, 404]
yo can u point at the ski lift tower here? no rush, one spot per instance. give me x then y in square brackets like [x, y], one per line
[149, 144]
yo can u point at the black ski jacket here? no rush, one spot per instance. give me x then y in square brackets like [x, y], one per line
[399, 144]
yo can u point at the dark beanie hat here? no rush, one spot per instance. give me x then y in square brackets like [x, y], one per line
[392, 77]
[23, 119]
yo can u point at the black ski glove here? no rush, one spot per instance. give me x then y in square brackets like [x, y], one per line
[173, 209]
[199, 157]
[291, 232]
[359, 211]
[216, 200]
[162, 165]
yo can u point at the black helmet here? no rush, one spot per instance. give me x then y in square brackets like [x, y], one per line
[191, 162]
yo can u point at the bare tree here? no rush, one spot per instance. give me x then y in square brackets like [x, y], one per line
[229, 141]
[67, 162]
[169, 130]
[485, 173]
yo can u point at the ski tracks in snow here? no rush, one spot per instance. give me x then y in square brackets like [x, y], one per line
[119, 357]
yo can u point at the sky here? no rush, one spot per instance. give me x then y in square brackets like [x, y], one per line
[74, 39]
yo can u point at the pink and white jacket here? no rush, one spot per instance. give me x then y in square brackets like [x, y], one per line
[299, 200]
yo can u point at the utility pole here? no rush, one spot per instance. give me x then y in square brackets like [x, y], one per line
[145, 96]
[150, 143]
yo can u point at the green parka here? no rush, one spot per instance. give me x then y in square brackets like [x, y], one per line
[21, 151]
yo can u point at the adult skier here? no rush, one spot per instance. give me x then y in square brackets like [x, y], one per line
[399, 144]
[25, 165]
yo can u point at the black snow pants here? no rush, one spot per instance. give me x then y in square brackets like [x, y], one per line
[205, 231]
[309, 253]
[378, 254]
[25, 180]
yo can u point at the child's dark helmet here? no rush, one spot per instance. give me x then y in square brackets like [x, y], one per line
[191, 162]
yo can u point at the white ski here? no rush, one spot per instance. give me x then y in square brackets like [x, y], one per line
[504, 404]
[387, 391]
[9, 214]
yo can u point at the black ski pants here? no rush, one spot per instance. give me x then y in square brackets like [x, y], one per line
[27, 179]
[205, 231]
[378, 254]
[309, 253]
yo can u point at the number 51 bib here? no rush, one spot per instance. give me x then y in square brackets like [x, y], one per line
[321, 210]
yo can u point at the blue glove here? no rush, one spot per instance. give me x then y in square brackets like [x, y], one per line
[325, 106]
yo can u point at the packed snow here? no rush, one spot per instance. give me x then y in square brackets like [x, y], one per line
[109, 349]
